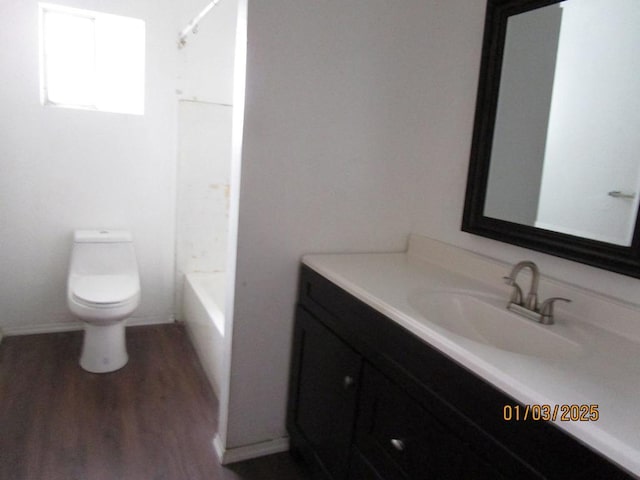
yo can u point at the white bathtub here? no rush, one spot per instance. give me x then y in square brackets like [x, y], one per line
[203, 313]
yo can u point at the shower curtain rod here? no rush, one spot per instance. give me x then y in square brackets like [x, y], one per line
[193, 24]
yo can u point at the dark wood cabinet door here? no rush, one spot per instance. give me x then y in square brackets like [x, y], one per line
[324, 385]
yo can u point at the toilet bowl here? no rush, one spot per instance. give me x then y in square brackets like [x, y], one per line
[103, 290]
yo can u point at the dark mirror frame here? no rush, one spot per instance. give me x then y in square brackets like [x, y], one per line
[615, 258]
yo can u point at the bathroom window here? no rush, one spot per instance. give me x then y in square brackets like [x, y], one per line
[91, 60]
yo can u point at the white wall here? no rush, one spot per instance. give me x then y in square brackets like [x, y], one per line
[63, 169]
[353, 110]
[357, 132]
[205, 89]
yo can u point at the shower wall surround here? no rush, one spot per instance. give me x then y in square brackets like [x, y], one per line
[205, 90]
[204, 144]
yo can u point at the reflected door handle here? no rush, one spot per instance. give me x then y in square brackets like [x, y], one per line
[348, 382]
[398, 444]
[619, 194]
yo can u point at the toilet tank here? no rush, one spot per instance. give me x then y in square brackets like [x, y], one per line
[103, 252]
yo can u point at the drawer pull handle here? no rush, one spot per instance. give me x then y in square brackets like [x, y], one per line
[398, 444]
[348, 382]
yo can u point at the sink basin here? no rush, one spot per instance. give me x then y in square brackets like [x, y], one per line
[485, 320]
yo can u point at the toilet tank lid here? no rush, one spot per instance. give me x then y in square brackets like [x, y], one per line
[101, 236]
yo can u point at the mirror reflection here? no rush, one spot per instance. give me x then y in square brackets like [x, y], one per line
[566, 147]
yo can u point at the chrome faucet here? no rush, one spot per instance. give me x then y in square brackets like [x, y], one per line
[529, 307]
[532, 297]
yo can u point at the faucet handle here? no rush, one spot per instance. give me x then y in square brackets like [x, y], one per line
[546, 310]
[516, 295]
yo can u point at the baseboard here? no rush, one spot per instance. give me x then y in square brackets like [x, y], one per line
[247, 452]
[71, 326]
[42, 328]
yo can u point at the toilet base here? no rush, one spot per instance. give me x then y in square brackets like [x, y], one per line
[104, 348]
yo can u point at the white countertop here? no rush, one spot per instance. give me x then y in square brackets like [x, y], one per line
[606, 373]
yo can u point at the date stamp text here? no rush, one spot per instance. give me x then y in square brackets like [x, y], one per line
[551, 413]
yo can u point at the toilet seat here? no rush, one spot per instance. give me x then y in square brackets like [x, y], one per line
[104, 291]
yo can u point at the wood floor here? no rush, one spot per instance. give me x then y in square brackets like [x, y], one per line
[152, 420]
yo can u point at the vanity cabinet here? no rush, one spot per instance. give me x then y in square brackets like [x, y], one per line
[368, 400]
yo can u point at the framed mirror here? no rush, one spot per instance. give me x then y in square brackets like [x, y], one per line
[555, 156]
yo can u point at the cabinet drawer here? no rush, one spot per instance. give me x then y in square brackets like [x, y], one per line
[362, 470]
[393, 428]
[400, 437]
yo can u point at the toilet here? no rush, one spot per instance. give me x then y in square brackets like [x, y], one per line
[103, 290]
